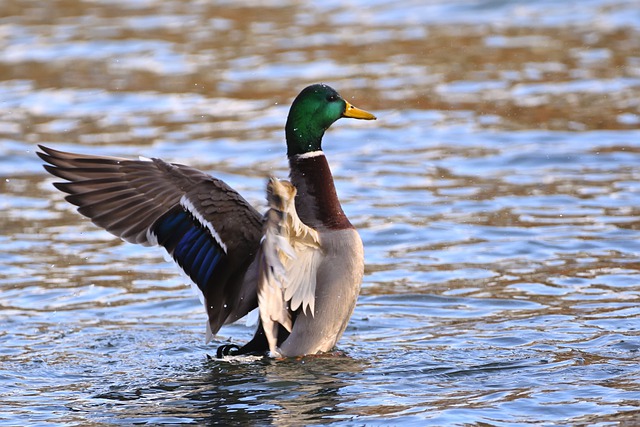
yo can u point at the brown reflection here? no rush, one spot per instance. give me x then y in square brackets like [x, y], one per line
[565, 78]
[216, 70]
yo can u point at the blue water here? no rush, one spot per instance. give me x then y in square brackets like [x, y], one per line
[496, 195]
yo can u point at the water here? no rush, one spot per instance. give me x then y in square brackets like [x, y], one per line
[497, 197]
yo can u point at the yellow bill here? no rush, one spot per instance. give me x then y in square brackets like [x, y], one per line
[356, 113]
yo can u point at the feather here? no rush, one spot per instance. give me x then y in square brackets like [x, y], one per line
[207, 227]
[290, 256]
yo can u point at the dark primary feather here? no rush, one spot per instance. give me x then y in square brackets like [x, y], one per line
[139, 201]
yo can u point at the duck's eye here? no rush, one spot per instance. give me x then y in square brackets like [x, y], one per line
[331, 98]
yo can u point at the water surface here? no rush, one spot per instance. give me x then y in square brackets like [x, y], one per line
[497, 197]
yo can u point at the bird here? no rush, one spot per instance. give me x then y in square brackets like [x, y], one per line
[301, 262]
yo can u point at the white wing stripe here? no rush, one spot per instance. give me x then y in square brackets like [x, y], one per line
[186, 203]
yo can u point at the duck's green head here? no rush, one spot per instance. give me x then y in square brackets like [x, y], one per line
[312, 112]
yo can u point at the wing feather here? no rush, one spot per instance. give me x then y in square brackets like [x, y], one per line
[206, 226]
[290, 256]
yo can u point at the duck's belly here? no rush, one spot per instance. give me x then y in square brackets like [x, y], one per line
[337, 288]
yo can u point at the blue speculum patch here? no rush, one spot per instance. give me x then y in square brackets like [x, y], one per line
[191, 245]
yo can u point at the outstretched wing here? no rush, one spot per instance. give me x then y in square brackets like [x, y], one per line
[206, 226]
[289, 260]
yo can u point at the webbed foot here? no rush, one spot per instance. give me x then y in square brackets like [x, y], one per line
[227, 350]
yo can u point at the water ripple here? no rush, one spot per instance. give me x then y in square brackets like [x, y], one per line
[496, 196]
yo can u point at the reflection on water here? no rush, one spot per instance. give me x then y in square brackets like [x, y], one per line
[497, 197]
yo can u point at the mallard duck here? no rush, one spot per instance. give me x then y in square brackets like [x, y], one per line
[302, 262]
